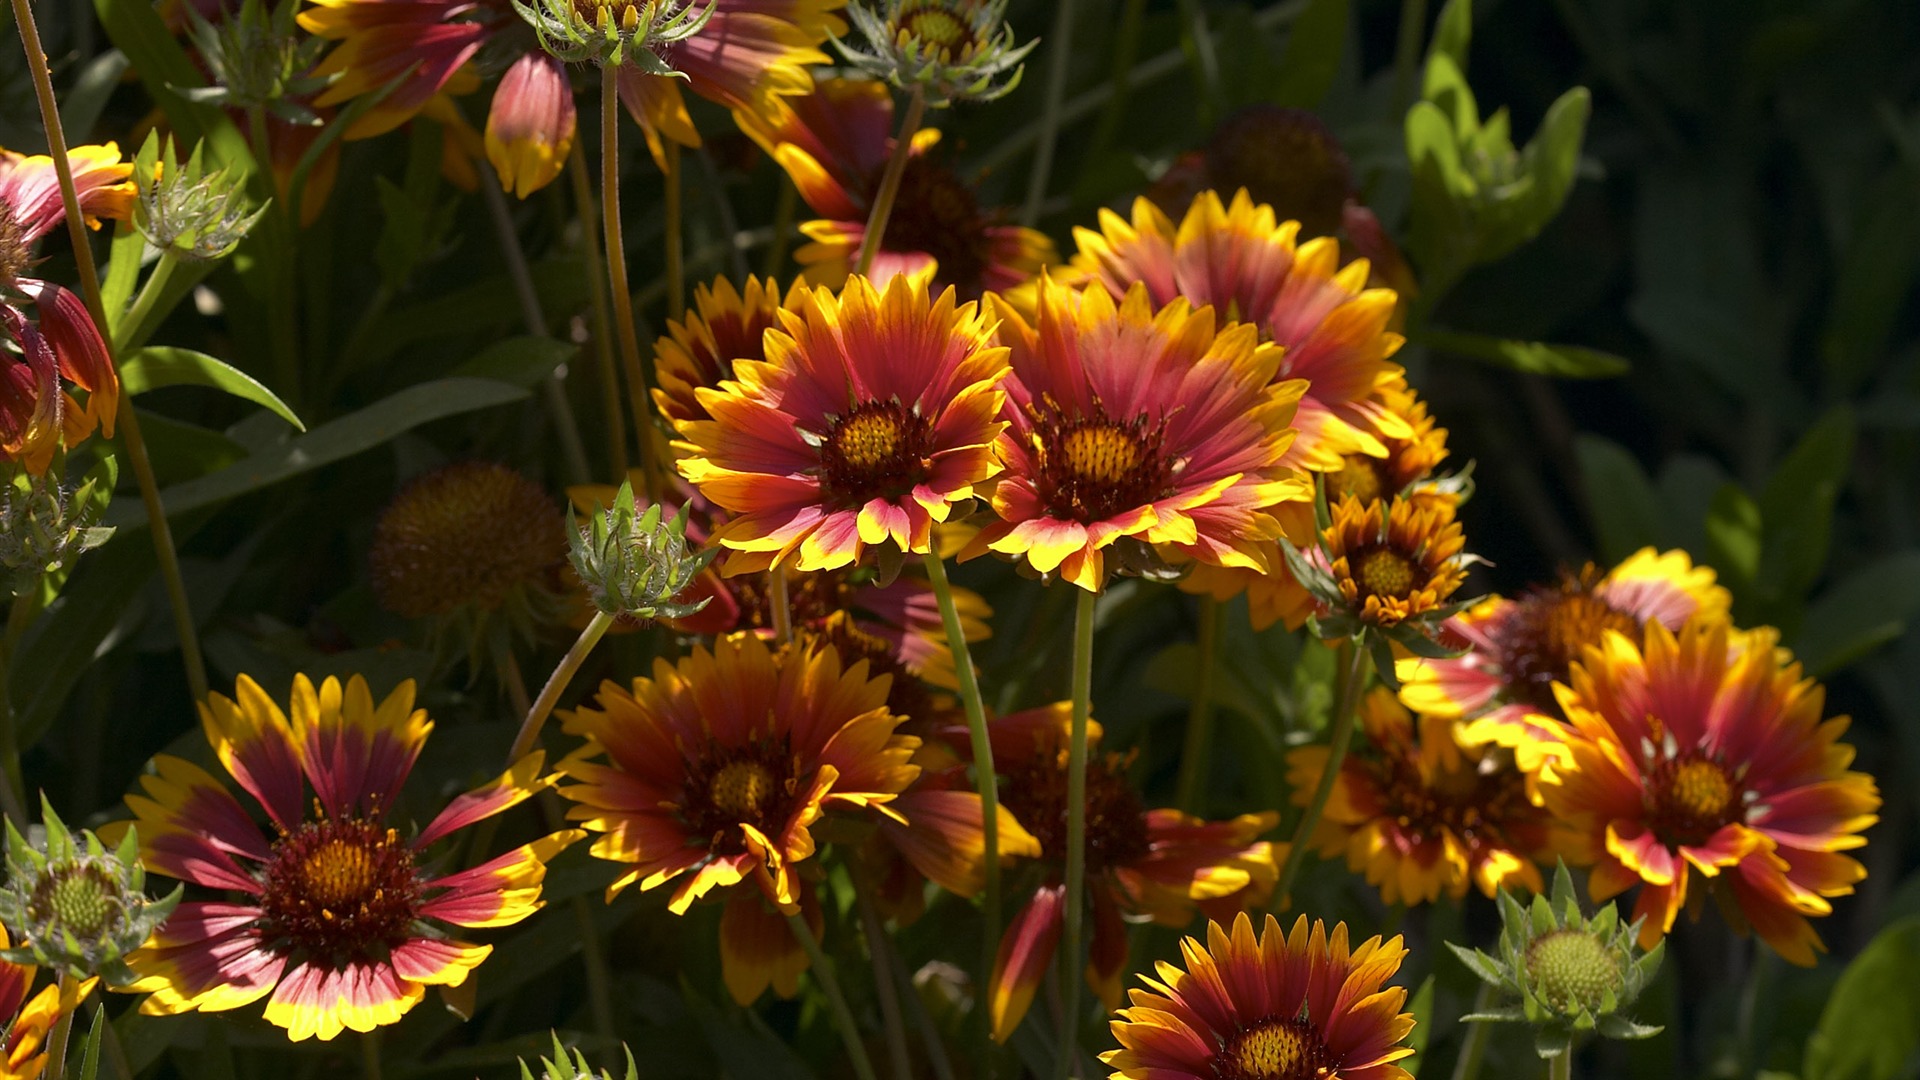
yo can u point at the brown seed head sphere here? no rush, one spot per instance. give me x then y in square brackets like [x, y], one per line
[465, 535]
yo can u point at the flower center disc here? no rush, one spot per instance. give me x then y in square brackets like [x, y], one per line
[1575, 971]
[1692, 799]
[1095, 468]
[1360, 477]
[875, 451]
[1384, 572]
[1547, 630]
[340, 888]
[936, 212]
[731, 786]
[935, 25]
[76, 896]
[741, 787]
[1036, 794]
[1274, 1050]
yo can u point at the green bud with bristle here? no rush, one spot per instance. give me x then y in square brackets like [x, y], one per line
[257, 58]
[73, 905]
[45, 526]
[185, 210]
[1563, 972]
[953, 50]
[615, 33]
[634, 564]
[572, 1065]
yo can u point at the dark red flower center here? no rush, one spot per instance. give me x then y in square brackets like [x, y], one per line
[1274, 1049]
[878, 450]
[1476, 806]
[1689, 798]
[1545, 630]
[1092, 468]
[15, 252]
[731, 786]
[340, 889]
[1035, 791]
[937, 213]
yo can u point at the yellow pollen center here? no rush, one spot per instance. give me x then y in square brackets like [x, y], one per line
[338, 873]
[1271, 1052]
[1103, 453]
[867, 439]
[1383, 572]
[1359, 476]
[937, 27]
[1701, 789]
[741, 788]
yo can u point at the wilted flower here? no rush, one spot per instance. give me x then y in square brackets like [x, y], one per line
[954, 49]
[74, 904]
[636, 566]
[1572, 974]
[44, 527]
[186, 211]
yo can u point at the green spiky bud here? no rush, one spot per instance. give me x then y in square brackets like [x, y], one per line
[76, 906]
[613, 33]
[634, 564]
[257, 58]
[186, 211]
[1570, 974]
[953, 50]
[44, 527]
[572, 1065]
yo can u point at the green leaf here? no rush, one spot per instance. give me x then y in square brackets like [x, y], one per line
[521, 361]
[1551, 160]
[85, 98]
[123, 270]
[1312, 55]
[1531, 357]
[1869, 607]
[90, 1049]
[156, 366]
[1870, 1029]
[1733, 538]
[166, 71]
[1621, 502]
[333, 441]
[1452, 33]
[1796, 510]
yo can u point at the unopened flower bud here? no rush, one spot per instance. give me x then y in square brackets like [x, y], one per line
[44, 527]
[1571, 974]
[186, 211]
[612, 33]
[72, 904]
[633, 564]
[257, 58]
[565, 1065]
[954, 50]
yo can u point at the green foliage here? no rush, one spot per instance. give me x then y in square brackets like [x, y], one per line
[1870, 1029]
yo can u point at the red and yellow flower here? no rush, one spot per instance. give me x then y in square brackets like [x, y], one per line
[835, 143]
[1246, 264]
[1418, 815]
[1706, 753]
[1519, 648]
[1299, 1006]
[1139, 426]
[37, 415]
[1394, 562]
[335, 914]
[724, 324]
[1158, 864]
[28, 1021]
[871, 418]
[716, 771]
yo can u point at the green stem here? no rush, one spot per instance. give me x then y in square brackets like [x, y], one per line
[1353, 668]
[62, 1028]
[1467, 1066]
[370, 1047]
[1072, 938]
[1060, 48]
[1406, 53]
[1126, 51]
[929, 1032]
[281, 311]
[836, 1002]
[1560, 1066]
[884, 990]
[559, 408]
[1194, 756]
[1205, 58]
[779, 605]
[784, 206]
[602, 319]
[619, 290]
[149, 296]
[676, 257]
[89, 275]
[556, 684]
[12, 780]
[986, 777]
[890, 182]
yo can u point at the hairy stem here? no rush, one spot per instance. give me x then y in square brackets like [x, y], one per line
[621, 293]
[89, 275]
[836, 1002]
[609, 366]
[557, 684]
[890, 182]
[1073, 937]
[1353, 669]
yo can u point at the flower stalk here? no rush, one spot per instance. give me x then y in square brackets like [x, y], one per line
[563, 674]
[1062, 48]
[621, 293]
[584, 205]
[162, 532]
[836, 1001]
[1073, 938]
[674, 241]
[1199, 738]
[1353, 664]
[890, 182]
